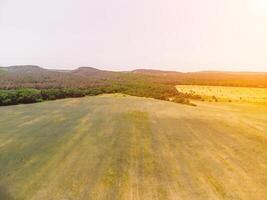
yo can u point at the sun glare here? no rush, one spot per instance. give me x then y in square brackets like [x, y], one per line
[258, 7]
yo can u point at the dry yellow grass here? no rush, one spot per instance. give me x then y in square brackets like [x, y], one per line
[109, 147]
[226, 94]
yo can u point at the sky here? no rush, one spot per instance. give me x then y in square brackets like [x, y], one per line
[180, 35]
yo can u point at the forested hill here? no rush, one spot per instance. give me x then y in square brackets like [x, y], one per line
[28, 76]
[30, 84]
[217, 78]
[31, 76]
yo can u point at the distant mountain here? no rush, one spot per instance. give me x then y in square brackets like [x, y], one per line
[85, 71]
[243, 79]
[83, 77]
[162, 72]
[92, 72]
[36, 77]
[155, 72]
[23, 69]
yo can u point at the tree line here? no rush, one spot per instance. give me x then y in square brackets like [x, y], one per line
[140, 89]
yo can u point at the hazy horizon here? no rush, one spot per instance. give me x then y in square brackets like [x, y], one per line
[132, 69]
[172, 35]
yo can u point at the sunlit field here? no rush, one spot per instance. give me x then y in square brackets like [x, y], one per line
[226, 94]
[102, 148]
[133, 100]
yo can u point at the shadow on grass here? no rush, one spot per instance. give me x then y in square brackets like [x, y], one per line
[4, 194]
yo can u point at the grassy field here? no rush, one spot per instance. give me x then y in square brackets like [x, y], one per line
[116, 147]
[226, 94]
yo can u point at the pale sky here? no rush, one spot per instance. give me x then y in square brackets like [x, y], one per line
[181, 35]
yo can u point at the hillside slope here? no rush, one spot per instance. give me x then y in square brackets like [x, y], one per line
[29, 76]
[102, 148]
[216, 78]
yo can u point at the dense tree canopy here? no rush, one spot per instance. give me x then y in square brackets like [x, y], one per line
[30, 84]
[140, 89]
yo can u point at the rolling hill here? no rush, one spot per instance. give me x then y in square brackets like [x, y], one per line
[212, 78]
[29, 76]
[37, 77]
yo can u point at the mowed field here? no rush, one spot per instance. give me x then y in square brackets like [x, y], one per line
[226, 94]
[116, 147]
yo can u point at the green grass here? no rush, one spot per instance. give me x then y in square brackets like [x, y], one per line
[226, 94]
[122, 147]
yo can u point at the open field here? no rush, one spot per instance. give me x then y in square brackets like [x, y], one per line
[116, 147]
[226, 94]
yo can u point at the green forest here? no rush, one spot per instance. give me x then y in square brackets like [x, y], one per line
[29, 95]
[31, 84]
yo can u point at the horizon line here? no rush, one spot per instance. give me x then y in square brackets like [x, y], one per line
[133, 69]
